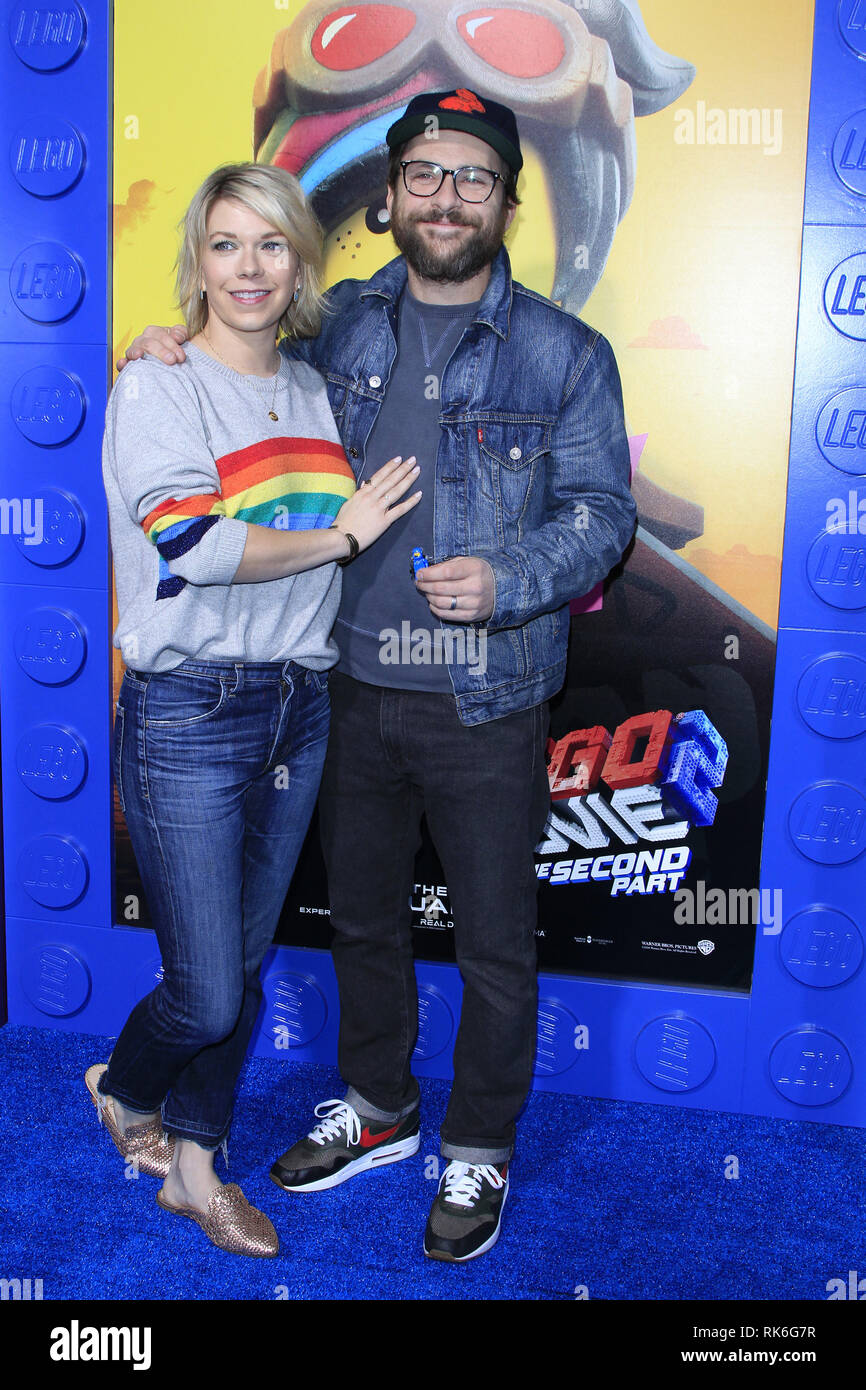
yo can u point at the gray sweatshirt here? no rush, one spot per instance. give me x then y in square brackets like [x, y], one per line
[190, 456]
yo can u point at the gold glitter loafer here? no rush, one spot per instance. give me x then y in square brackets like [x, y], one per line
[231, 1223]
[148, 1147]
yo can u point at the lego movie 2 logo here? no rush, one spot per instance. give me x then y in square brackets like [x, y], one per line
[612, 796]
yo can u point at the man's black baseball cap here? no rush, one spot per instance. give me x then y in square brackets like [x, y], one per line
[461, 110]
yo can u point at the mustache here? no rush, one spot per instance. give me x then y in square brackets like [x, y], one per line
[452, 215]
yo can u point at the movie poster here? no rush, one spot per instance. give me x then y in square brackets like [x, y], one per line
[662, 202]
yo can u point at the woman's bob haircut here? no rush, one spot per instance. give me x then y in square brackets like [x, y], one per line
[276, 196]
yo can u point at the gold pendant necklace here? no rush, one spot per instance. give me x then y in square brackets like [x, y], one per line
[272, 414]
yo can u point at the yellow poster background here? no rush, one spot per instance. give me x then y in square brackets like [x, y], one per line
[699, 296]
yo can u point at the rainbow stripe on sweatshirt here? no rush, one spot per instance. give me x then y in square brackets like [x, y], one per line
[288, 484]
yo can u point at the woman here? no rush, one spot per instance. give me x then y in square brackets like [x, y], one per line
[231, 503]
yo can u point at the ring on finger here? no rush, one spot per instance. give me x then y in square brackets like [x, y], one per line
[453, 602]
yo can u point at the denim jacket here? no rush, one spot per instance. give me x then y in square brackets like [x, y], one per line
[532, 472]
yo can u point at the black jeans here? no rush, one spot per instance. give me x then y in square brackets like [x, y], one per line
[392, 755]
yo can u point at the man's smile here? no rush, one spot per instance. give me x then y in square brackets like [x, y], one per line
[444, 226]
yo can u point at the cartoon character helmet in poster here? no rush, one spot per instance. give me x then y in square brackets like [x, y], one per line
[574, 75]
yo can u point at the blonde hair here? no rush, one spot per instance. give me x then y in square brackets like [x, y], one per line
[275, 195]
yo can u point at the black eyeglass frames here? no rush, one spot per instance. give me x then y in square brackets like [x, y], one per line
[472, 183]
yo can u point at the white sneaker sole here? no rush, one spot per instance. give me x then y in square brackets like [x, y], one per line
[482, 1249]
[377, 1158]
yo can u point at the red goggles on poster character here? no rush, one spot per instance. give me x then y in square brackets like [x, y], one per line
[332, 54]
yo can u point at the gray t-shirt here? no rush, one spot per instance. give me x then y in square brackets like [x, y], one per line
[385, 630]
[190, 458]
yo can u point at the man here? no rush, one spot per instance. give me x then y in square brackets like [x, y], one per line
[513, 409]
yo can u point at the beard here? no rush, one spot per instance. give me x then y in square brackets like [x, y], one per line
[445, 263]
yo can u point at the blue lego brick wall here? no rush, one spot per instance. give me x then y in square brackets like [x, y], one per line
[791, 1048]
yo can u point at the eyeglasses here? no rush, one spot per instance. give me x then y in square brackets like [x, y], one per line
[471, 183]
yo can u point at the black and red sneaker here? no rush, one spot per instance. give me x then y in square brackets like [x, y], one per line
[343, 1145]
[466, 1215]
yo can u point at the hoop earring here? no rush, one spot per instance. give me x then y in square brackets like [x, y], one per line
[201, 294]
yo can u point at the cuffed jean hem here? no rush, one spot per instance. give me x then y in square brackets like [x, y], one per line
[204, 1140]
[372, 1112]
[127, 1104]
[468, 1153]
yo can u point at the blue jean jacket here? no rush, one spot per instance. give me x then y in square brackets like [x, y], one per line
[532, 471]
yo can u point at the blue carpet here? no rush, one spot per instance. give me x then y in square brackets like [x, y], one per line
[630, 1201]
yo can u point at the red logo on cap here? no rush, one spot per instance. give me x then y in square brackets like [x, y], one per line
[463, 100]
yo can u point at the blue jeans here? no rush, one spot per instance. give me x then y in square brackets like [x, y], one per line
[217, 766]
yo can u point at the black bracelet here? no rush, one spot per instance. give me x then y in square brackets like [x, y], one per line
[354, 548]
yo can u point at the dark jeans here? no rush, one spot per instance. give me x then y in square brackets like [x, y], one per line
[217, 766]
[394, 754]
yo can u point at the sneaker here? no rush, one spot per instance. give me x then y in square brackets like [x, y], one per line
[465, 1217]
[343, 1145]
